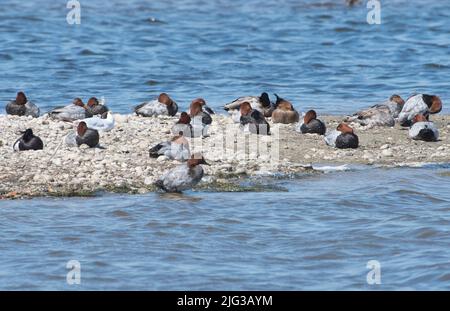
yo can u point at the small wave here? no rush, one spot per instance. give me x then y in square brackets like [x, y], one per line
[344, 29]
[154, 20]
[435, 66]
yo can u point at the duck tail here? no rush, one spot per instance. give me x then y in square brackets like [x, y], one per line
[160, 185]
[154, 151]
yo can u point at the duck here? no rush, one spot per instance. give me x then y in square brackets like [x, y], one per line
[253, 120]
[342, 138]
[102, 123]
[383, 114]
[22, 107]
[70, 113]
[184, 126]
[83, 135]
[311, 125]
[28, 141]
[163, 105]
[175, 149]
[261, 103]
[284, 112]
[422, 129]
[200, 119]
[183, 177]
[419, 104]
[95, 107]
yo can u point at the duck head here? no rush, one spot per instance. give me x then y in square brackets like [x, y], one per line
[82, 128]
[419, 118]
[309, 116]
[163, 98]
[397, 99]
[245, 108]
[265, 100]
[197, 106]
[283, 104]
[196, 159]
[21, 99]
[78, 102]
[436, 104]
[92, 102]
[27, 134]
[345, 128]
[184, 118]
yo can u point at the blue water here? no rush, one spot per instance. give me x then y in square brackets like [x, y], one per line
[317, 53]
[320, 234]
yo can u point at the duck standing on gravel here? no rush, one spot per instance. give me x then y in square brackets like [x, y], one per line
[284, 112]
[22, 107]
[422, 129]
[175, 149]
[419, 104]
[311, 125]
[101, 123]
[182, 177]
[253, 120]
[95, 107]
[200, 119]
[261, 103]
[383, 114]
[70, 113]
[83, 135]
[28, 141]
[342, 138]
[163, 106]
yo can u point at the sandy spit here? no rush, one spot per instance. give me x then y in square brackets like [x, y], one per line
[123, 163]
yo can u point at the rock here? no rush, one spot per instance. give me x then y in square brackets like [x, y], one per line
[387, 153]
[385, 146]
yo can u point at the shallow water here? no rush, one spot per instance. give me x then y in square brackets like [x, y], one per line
[317, 53]
[318, 235]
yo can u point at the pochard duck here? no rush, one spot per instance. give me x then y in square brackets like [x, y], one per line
[200, 119]
[70, 113]
[28, 141]
[284, 112]
[164, 105]
[184, 126]
[382, 114]
[83, 135]
[183, 177]
[253, 120]
[342, 138]
[95, 107]
[419, 104]
[261, 103]
[422, 129]
[102, 123]
[175, 149]
[311, 125]
[22, 107]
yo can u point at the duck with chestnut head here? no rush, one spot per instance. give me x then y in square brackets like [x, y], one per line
[183, 177]
[28, 141]
[423, 129]
[70, 113]
[83, 136]
[419, 104]
[162, 106]
[284, 112]
[200, 119]
[183, 125]
[175, 149]
[95, 107]
[311, 125]
[253, 120]
[382, 114]
[22, 107]
[261, 103]
[342, 138]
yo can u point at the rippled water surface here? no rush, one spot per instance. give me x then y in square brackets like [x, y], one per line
[320, 234]
[317, 53]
